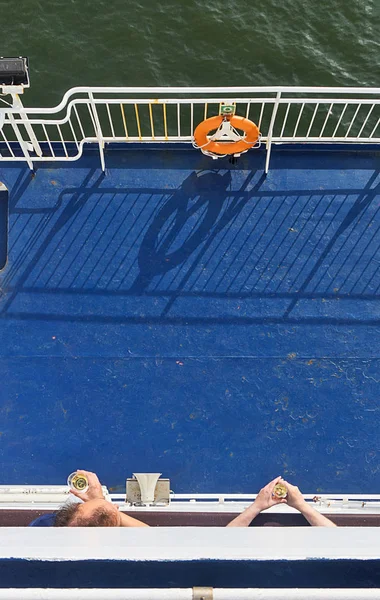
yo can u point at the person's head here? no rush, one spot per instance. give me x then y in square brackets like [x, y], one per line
[94, 513]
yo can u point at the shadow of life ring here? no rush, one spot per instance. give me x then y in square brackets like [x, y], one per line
[220, 122]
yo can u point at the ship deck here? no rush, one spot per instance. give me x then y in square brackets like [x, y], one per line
[194, 318]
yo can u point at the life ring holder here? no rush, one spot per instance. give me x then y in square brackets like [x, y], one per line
[226, 126]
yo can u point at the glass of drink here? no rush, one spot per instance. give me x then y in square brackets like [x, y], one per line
[280, 491]
[78, 482]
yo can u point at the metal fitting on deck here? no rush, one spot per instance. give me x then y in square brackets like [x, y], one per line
[203, 593]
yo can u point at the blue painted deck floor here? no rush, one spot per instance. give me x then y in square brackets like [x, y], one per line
[194, 318]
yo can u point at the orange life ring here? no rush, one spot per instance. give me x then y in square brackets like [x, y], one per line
[201, 132]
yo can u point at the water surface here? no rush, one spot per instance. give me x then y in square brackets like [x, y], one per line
[189, 42]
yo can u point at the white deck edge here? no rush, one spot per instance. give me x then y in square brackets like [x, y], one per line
[190, 543]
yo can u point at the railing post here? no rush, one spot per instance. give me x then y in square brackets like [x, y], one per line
[32, 136]
[270, 132]
[21, 141]
[99, 133]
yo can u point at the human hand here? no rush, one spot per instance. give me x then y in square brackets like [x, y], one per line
[94, 491]
[265, 498]
[295, 498]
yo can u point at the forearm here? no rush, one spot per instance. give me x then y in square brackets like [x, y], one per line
[127, 521]
[245, 518]
[314, 517]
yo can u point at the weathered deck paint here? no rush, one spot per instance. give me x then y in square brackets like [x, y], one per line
[194, 318]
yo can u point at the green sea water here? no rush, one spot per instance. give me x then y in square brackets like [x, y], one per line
[190, 42]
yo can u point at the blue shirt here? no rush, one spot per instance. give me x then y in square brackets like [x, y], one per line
[43, 521]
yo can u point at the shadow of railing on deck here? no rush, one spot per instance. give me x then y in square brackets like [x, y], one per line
[203, 253]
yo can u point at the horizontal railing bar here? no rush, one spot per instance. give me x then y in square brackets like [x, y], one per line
[253, 496]
[325, 506]
[35, 489]
[159, 101]
[342, 140]
[162, 139]
[205, 90]
[218, 100]
[228, 89]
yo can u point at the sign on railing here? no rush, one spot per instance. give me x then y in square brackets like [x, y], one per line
[151, 115]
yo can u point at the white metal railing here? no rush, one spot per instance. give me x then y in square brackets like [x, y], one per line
[148, 115]
[53, 496]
